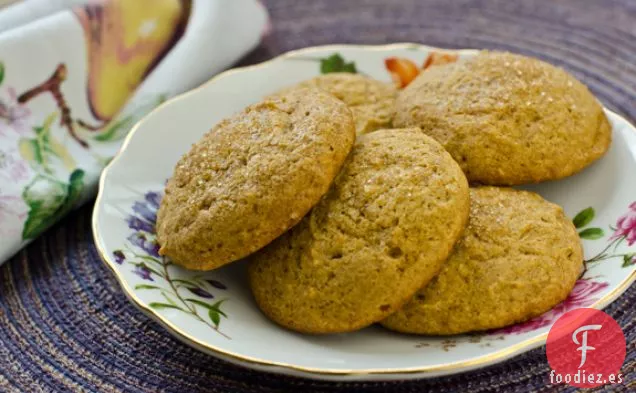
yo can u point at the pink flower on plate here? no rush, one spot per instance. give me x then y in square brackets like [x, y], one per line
[581, 296]
[13, 115]
[626, 226]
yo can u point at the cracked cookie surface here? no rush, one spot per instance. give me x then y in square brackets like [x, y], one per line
[518, 257]
[371, 101]
[382, 231]
[507, 119]
[252, 177]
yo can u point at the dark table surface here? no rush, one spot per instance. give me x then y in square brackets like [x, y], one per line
[65, 325]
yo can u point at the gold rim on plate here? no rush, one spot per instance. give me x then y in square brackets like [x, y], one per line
[239, 359]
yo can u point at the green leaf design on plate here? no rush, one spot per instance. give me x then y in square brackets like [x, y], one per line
[591, 233]
[168, 299]
[584, 217]
[187, 282]
[216, 307]
[146, 286]
[161, 306]
[200, 303]
[1, 72]
[48, 200]
[336, 63]
[628, 260]
[214, 317]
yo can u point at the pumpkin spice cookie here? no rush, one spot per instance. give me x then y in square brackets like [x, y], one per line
[507, 119]
[370, 100]
[381, 232]
[519, 257]
[252, 177]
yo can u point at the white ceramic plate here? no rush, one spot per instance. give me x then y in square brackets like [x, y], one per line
[215, 312]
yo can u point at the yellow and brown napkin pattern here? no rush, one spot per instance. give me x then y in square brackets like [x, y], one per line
[75, 76]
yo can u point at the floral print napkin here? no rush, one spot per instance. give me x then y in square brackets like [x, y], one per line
[76, 75]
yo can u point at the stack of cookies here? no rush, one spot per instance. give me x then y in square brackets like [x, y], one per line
[351, 199]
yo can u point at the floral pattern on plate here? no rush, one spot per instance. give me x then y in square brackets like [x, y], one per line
[195, 296]
[584, 294]
[586, 289]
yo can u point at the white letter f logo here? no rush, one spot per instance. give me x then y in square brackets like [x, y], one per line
[584, 347]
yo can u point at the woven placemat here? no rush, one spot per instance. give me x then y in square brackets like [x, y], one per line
[65, 325]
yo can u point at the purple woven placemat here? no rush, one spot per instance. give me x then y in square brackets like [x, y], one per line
[65, 325]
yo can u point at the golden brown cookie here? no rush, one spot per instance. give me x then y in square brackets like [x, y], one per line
[507, 119]
[371, 101]
[381, 232]
[519, 257]
[252, 177]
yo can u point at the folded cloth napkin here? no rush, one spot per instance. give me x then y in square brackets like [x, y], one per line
[76, 75]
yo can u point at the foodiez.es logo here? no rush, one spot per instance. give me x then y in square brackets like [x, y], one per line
[585, 348]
